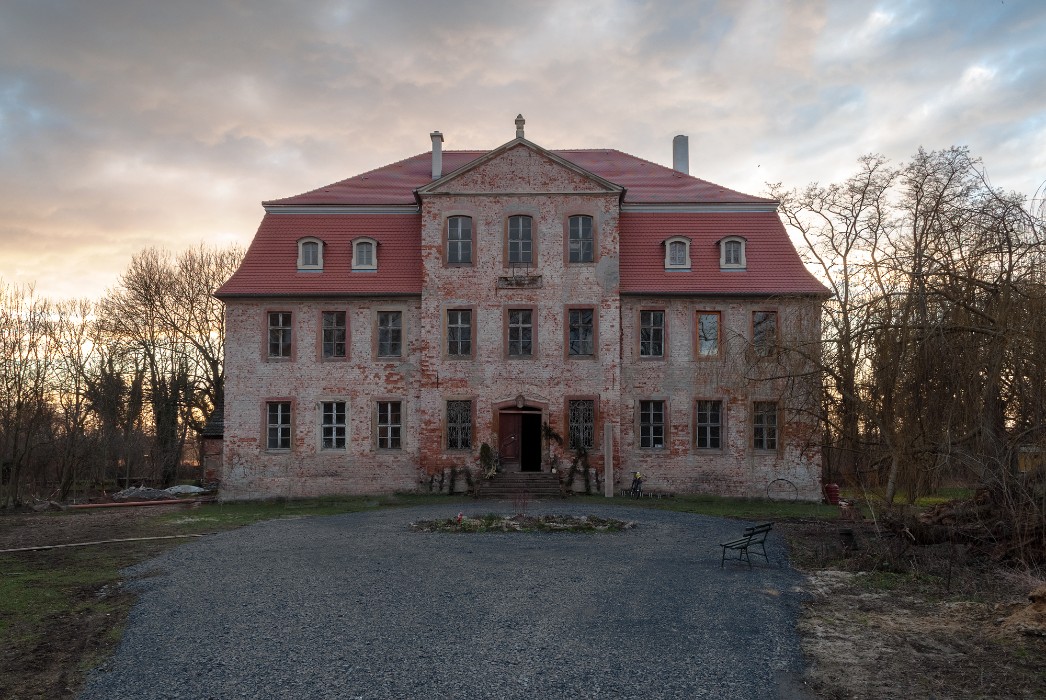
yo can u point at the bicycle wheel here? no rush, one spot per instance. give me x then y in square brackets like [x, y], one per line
[782, 490]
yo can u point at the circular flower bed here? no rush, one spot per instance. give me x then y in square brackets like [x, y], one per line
[522, 523]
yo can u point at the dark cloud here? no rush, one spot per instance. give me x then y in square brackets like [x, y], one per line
[128, 123]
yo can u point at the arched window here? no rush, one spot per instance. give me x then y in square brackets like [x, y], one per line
[364, 254]
[732, 253]
[677, 253]
[310, 254]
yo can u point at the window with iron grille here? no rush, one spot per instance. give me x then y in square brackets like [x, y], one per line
[520, 333]
[764, 331]
[581, 243]
[764, 425]
[707, 333]
[278, 425]
[280, 334]
[459, 425]
[459, 332]
[582, 332]
[390, 333]
[709, 425]
[459, 240]
[581, 421]
[390, 425]
[332, 427]
[520, 240]
[651, 333]
[333, 334]
[652, 424]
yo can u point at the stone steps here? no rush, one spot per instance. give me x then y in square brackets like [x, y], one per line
[511, 484]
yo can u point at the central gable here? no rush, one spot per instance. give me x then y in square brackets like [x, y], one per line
[520, 167]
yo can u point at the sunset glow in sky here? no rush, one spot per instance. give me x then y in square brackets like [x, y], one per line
[130, 123]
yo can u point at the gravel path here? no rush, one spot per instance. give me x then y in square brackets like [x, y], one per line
[357, 606]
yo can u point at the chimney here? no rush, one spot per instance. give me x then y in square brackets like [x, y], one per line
[681, 154]
[437, 155]
[520, 121]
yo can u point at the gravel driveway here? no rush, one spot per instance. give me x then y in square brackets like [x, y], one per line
[357, 606]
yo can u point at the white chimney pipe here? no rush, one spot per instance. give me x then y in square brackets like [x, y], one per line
[437, 155]
[681, 154]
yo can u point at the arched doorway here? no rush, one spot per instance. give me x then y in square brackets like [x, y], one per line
[519, 437]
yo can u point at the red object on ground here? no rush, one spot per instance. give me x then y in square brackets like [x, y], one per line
[831, 493]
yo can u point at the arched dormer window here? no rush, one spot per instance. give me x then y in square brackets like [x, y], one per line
[364, 254]
[310, 254]
[677, 253]
[732, 253]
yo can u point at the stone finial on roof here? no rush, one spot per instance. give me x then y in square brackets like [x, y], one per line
[520, 121]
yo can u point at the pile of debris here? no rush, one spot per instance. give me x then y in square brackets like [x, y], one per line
[144, 493]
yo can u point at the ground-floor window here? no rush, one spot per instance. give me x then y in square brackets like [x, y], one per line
[652, 424]
[459, 425]
[709, 425]
[581, 419]
[764, 425]
[332, 428]
[278, 432]
[390, 425]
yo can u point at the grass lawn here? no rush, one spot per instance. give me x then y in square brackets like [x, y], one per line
[740, 508]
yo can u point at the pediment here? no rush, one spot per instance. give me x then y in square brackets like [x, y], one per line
[520, 167]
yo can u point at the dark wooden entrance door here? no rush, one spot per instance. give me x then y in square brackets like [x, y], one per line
[510, 425]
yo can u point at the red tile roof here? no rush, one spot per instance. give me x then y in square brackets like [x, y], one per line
[645, 182]
[270, 266]
[773, 265]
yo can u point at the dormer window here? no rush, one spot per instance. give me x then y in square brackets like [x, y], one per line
[365, 254]
[310, 254]
[732, 253]
[677, 253]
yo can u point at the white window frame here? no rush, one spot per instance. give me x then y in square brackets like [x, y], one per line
[724, 245]
[356, 263]
[279, 426]
[334, 426]
[302, 265]
[676, 265]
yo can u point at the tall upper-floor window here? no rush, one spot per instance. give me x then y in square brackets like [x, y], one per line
[520, 333]
[310, 254]
[764, 332]
[280, 334]
[390, 333]
[520, 240]
[334, 333]
[651, 333]
[732, 253]
[581, 332]
[581, 241]
[459, 240]
[708, 333]
[364, 254]
[459, 332]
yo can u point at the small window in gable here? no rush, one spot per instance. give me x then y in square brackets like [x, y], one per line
[677, 253]
[732, 253]
[364, 254]
[310, 254]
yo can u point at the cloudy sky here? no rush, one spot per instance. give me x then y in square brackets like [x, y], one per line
[132, 123]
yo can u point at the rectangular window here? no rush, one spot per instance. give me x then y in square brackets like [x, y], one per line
[764, 425]
[764, 331]
[459, 425]
[651, 333]
[581, 239]
[652, 424]
[709, 425]
[582, 332]
[459, 240]
[581, 422]
[333, 334]
[459, 332]
[520, 240]
[390, 333]
[707, 333]
[280, 334]
[520, 333]
[332, 428]
[278, 428]
[390, 425]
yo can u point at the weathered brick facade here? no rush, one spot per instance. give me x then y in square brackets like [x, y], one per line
[510, 394]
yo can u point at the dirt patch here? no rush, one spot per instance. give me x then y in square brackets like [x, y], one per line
[892, 620]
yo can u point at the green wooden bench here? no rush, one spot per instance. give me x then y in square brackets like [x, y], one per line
[752, 537]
